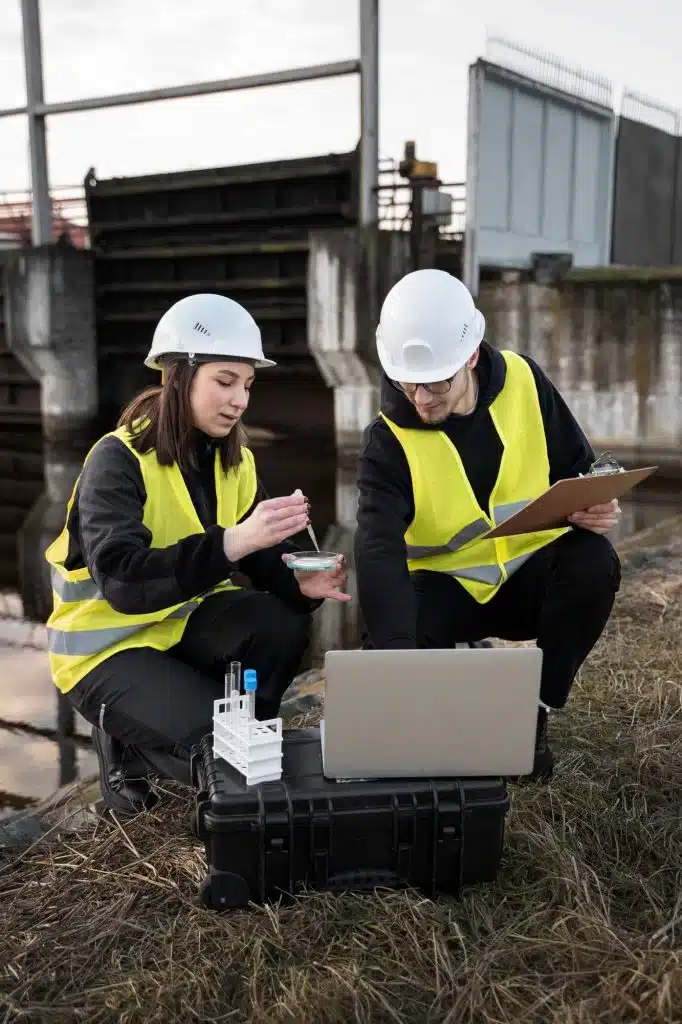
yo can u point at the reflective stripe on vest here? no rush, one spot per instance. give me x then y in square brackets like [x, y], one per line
[74, 590]
[80, 643]
[490, 574]
[469, 533]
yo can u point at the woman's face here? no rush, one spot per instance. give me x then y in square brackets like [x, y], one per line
[219, 396]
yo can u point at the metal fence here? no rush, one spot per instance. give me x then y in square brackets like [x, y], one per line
[69, 215]
[550, 70]
[636, 107]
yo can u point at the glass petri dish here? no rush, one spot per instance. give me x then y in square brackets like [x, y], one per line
[312, 561]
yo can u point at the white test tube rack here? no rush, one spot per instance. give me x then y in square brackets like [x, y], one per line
[254, 748]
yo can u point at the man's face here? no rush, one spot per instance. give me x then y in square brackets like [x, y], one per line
[435, 402]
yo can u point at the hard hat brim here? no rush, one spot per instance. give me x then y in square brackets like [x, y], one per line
[155, 362]
[399, 373]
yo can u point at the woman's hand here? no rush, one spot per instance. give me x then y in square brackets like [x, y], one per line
[598, 518]
[271, 522]
[325, 583]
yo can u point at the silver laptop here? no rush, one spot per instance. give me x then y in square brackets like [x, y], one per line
[468, 712]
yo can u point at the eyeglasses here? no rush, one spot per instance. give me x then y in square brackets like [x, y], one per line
[438, 387]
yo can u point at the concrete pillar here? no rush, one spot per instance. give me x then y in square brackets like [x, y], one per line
[50, 314]
[350, 271]
[340, 625]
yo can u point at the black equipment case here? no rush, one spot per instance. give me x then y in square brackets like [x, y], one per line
[265, 842]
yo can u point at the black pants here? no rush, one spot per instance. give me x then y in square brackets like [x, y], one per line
[158, 704]
[561, 597]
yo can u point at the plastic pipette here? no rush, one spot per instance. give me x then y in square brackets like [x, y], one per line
[311, 532]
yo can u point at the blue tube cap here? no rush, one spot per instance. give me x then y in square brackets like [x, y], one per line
[250, 680]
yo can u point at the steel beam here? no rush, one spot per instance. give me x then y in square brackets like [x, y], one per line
[369, 111]
[33, 63]
[176, 92]
[37, 109]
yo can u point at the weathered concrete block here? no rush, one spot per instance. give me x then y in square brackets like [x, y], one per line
[614, 351]
[350, 271]
[50, 314]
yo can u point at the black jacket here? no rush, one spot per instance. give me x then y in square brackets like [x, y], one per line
[386, 503]
[107, 535]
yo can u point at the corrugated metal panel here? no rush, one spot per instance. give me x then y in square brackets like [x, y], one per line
[539, 173]
[647, 195]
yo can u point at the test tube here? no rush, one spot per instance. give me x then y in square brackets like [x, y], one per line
[235, 681]
[235, 673]
[250, 687]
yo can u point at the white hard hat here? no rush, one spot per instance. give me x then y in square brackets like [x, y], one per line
[429, 327]
[206, 327]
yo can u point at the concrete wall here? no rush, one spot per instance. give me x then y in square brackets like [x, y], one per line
[613, 350]
[612, 346]
[677, 218]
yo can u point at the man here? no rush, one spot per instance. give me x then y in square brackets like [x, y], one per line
[466, 433]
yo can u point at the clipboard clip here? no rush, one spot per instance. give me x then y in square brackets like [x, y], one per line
[605, 463]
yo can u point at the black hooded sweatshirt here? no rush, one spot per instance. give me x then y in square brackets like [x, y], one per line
[106, 534]
[386, 501]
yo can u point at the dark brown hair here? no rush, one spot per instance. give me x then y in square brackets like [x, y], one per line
[160, 418]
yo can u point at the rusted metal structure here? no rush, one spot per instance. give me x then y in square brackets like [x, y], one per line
[241, 231]
[244, 231]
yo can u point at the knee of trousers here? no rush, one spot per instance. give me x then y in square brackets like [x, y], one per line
[590, 560]
[284, 629]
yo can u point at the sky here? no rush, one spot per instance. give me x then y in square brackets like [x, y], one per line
[94, 47]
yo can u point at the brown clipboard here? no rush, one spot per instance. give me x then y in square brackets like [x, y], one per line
[551, 510]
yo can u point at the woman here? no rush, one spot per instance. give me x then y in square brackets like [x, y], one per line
[166, 509]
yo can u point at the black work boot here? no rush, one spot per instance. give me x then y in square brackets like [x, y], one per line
[125, 796]
[543, 761]
[543, 755]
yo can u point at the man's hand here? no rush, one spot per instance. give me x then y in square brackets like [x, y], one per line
[325, 583]
[598, 518]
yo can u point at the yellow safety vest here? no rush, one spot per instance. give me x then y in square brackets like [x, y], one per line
[446, 533]
[83, 629]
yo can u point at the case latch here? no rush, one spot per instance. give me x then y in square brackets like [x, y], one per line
[320, 844]
[405, 837]
[448, 847]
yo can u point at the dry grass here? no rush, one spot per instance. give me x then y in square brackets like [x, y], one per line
[583, 925]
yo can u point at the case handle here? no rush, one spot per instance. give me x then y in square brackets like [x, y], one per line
[365, 880]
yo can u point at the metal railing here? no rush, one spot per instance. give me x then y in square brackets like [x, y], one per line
[68, 210]
[636, 107]
[395, 200]
[550, 70]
